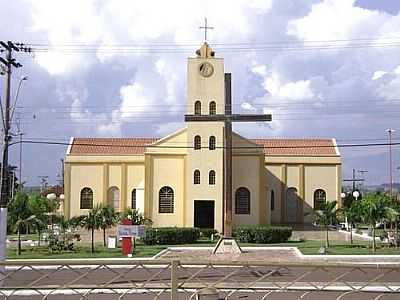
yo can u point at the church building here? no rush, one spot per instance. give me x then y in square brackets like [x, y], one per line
[177, 180]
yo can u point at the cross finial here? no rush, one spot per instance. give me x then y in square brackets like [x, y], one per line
[205, 27]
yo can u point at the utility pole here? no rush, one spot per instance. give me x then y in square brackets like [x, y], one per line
[9, 62]
[390, 131]
[354, 180]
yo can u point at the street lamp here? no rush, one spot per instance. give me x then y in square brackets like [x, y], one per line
[13, 107]
[23, 78]
[343, 196]
[356, 194]
[62, 197]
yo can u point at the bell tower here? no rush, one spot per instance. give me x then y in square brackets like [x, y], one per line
[205, 97]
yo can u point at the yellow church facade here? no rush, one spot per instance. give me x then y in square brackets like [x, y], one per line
[178, 180]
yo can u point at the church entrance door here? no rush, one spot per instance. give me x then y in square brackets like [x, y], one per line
[203, 214]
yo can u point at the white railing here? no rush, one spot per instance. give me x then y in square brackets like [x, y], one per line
[161, 279]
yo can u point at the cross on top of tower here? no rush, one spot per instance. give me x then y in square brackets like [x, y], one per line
[205, 27]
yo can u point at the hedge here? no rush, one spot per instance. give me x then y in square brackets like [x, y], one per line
[170, 236]
[262, 234]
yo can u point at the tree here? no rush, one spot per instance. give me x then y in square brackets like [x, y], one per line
[352, 215]
[108, 218]
[92, 222]
[375, 208]
[20, 215]
[39, 208]
[392, 216]
[326, 216]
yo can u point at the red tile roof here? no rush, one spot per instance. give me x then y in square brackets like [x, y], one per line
[297, 147]
[137, 146]
[109, 146]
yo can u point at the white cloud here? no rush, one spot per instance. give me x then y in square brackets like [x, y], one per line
[56, 62]
[397, 70]
[260, 70]
[247, 106]
[136, 22]
[296, 90]
[134, 101]
[330, 20]
[378, 74]
[160, 66]
[390, 90]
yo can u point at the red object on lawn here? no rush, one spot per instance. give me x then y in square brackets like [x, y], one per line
[126, 241]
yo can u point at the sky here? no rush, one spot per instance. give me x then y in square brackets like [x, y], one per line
[117, 68]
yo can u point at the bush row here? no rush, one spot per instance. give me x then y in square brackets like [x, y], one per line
[170, 236]
[262, 234]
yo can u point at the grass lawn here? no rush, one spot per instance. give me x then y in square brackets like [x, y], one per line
[82, 252]
[24, 237]
[340, 248]
[306, 247]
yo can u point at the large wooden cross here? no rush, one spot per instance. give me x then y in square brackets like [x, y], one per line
[228, 118]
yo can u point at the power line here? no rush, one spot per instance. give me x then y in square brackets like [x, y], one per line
[218, 147]
[227, 47]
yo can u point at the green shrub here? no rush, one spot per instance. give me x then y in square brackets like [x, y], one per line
[260, 234]
[207, 232]
[170, 236]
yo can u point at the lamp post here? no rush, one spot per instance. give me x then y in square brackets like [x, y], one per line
[343, 196]
[13, 107]
[23, 78]
[390, 131]
[356, 194]
[51, 197]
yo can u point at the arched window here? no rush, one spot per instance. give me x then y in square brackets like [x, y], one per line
[319, 199]
[211, 143]
[272, 200]
[86, 198]
[212, 109]
[133, 199]
[196, 177]
[197, 108]
[166, 200]
[211, 177]
[197, 142]
[113, 197]
[242, 201]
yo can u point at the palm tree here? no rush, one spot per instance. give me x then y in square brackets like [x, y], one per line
[394, 217]
[20, 215]
[375, 208]
[326, 216]
[108, 218]
[92, 222]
